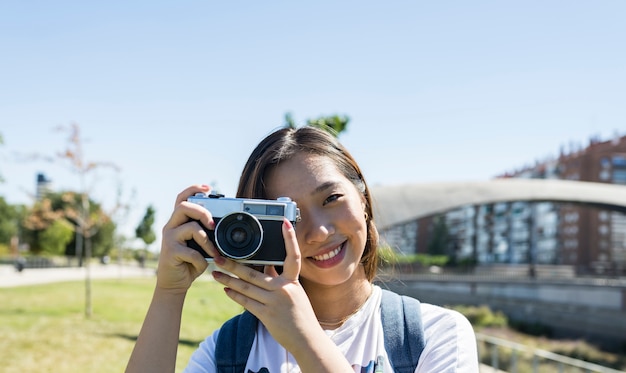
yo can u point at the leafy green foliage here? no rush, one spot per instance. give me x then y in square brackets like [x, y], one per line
[40, 224]
[9, 220]
[55, 237]
[483, 316]
[144, 230]
[334, 124]
[390, 256]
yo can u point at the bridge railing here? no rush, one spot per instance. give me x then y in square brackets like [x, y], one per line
[516, 358]
[542, 273]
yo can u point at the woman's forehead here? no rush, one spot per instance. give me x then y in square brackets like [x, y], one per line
[302, 174]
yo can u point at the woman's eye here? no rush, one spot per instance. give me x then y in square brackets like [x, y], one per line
[332, 198]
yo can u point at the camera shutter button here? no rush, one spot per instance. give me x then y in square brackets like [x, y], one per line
[283, 199]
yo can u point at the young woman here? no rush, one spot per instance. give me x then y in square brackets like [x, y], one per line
[321, 313]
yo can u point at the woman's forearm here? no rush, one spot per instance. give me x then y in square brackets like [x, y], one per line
[157, 343]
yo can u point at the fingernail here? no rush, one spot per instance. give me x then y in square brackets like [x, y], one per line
[287, 224]
[219, 260]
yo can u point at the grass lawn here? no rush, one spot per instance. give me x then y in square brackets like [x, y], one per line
[44, 328]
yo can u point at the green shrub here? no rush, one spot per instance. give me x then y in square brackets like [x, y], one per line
[483, 316]
[390, 256]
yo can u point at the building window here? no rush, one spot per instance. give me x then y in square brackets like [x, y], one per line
[605, 162]
[603, 229]
[571, 217]
[619, 176]
[604, 175]
[603, 216]
[619, 161]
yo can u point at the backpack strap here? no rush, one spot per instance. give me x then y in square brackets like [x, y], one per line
[403, 331]
[234, 342]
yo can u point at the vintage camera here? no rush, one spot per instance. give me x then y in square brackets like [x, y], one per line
[247, 230]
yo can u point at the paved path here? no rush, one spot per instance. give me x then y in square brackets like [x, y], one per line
[9, 277]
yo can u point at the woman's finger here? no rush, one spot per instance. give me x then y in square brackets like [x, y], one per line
[245, 276]
[270, 271]
[188, 211]
[185, 211]
[190, 191]
[192, 230]
[293, 261]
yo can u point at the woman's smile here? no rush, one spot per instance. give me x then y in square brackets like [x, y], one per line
[330, 258]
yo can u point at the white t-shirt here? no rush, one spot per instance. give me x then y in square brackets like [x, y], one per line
[450, 344]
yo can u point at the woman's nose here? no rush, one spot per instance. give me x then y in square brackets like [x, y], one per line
[317, 228]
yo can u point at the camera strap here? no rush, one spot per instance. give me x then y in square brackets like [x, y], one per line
[402, 326]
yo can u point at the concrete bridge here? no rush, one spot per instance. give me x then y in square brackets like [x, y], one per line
[401, 203]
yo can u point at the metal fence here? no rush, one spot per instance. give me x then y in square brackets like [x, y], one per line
[543, 274]
[517, 358]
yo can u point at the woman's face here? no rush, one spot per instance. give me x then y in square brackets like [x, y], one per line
[333, 232]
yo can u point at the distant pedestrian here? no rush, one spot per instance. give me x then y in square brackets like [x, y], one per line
[20, 264]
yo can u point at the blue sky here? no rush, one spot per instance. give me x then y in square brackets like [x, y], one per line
[176, 93]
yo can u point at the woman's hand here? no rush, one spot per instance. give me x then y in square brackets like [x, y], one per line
[279, 301]
[179, 265]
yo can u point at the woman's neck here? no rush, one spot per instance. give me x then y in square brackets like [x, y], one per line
[333, 305]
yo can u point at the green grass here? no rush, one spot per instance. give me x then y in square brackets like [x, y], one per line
[43, 328]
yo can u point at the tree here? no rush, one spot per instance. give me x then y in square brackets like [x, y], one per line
[144, 229]
[334, 124]
[53, 240]
[102, 232]
[87, 225]
[54, 207]
[9, 217]
[38, 220]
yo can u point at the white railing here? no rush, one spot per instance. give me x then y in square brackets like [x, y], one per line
[520, 358]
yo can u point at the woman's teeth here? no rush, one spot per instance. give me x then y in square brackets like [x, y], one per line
[329, 255]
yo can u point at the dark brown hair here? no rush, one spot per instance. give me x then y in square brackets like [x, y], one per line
[283, 144]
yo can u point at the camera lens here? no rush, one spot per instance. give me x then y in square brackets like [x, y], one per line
[238, 235]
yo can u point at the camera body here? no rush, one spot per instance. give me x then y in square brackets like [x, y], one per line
[247, 230]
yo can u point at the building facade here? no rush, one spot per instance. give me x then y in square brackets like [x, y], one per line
[590, 239]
